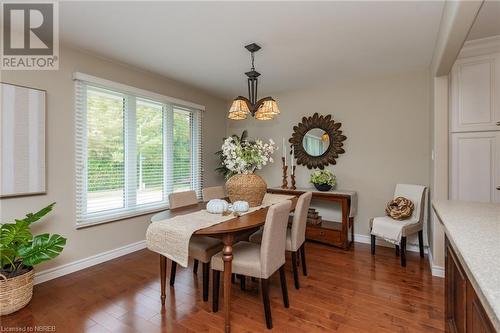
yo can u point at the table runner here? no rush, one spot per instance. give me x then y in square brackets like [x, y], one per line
[170, 237]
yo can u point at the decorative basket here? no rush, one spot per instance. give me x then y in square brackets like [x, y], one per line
[15, 292]
[246, 187]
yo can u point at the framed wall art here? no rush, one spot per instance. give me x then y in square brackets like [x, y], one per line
[22, 141]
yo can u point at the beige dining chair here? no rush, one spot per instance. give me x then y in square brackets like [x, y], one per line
[259, 260]
[201, 248]
[214, 192]
[414, 224]
[295, 236]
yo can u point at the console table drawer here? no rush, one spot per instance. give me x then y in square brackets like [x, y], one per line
[324, 235]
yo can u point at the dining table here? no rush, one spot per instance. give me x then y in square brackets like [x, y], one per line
[227, 232]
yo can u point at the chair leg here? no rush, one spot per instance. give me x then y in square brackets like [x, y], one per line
[215, 290]
[373, 243]
[303, 257]
[284, 289]
[242, 281]
[195, 266]
[295, 270]
[421, 243]
[265, 299]
[163, 278]
[173, 268]
[206, 270]
[403, 251]
[397, 250]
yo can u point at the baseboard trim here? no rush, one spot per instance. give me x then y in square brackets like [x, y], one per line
[78, 265]
[367, 240]
[437, 271]
[75, 266]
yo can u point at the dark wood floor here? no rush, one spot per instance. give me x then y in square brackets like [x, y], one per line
[344, 292]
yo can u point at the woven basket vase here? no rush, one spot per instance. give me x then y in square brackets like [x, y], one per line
[250, 188]
[15, 292]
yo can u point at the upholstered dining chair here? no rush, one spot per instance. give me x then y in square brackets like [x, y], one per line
[395, 231]
[295, 236]
[214, 192]
[259, 260]
[201, 248]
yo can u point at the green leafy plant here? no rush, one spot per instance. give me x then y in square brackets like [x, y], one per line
[20, 250]
[323, 177]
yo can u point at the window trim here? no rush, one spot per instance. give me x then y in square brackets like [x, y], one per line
[138, 92]
[131, 94]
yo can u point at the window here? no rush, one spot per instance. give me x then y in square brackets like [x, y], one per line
[132, 150]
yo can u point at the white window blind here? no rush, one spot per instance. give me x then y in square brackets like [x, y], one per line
[131, 152]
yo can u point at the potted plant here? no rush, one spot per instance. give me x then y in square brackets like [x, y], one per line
[240, 158]
[19, 252]
[323, 180]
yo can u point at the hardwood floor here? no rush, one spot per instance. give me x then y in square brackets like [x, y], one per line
[343, 292]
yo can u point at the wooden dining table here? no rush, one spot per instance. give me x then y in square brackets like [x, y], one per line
[226, 231]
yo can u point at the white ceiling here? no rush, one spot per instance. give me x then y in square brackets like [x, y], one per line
[304, 43]
[487, 23]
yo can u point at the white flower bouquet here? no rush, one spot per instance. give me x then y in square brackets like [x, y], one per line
[245, 156]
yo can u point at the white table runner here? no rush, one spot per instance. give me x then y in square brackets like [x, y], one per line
[170, 237]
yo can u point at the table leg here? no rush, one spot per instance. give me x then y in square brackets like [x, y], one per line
[163, 277]
[227, 256]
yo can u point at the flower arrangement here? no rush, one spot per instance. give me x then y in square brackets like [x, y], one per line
[242, 156]
[323, 180]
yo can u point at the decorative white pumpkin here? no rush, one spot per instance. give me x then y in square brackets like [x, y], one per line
[240, 206]
[217, 206]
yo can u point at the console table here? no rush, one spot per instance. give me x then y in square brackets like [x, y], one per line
[336, 233]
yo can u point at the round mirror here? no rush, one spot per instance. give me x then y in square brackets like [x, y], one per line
[316, 142]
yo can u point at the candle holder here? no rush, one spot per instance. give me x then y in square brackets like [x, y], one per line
[284, 184]
[292, 176]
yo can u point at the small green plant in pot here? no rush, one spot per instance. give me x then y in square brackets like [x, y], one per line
[19, 252]
[323, 180]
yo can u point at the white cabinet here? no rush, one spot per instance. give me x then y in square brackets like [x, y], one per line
[475, 94]
[475, 166]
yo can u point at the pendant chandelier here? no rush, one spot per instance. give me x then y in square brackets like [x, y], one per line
[263, 109]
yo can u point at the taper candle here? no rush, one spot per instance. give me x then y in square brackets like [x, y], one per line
[284, 150]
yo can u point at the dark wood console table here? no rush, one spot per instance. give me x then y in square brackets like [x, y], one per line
[340, 234]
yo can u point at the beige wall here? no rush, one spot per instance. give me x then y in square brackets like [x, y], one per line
[387, 124]
[60, 131]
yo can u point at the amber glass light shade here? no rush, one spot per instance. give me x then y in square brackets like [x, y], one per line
[270, 106]
[239, 110]
[267, 110]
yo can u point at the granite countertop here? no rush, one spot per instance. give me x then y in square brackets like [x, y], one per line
[473, 229]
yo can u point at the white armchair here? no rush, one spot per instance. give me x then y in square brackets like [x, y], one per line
[395, 231]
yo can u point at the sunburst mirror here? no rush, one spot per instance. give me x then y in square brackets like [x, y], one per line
[317, 141]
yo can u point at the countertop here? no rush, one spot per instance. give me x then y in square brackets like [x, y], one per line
[473, 230]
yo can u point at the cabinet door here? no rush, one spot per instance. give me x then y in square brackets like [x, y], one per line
[456, 293]
[477, 319]
[475, 166]
[475, 104]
